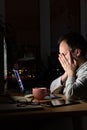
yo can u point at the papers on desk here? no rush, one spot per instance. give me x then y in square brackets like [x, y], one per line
[21, 98]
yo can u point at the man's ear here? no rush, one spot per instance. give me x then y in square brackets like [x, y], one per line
[77, 52]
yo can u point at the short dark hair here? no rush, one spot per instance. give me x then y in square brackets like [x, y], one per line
[74, 40]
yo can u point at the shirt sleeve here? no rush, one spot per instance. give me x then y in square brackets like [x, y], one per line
[76, 88]
[56, 85]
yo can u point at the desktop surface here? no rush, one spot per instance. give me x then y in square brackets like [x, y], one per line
[22, 116]
[43, 106]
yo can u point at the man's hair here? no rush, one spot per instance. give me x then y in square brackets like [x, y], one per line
[74, 40]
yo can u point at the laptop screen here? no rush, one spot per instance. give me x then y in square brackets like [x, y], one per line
[17, 75]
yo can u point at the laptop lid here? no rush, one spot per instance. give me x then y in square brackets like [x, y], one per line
[17, 75]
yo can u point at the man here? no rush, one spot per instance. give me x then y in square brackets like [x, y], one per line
[72, 56]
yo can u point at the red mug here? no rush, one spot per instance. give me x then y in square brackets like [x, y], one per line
[39, 93]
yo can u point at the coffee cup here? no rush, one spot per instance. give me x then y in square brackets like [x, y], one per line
[39, 93]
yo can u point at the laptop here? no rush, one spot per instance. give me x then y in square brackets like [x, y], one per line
[23, 94]
[20, 84]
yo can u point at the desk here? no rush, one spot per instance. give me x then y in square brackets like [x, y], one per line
[74, 111]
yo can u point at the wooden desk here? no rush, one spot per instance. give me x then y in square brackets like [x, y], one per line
[75, 111]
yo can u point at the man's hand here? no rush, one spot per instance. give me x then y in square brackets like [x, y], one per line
[69, 65]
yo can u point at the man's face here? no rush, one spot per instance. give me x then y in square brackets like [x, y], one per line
[64, 48]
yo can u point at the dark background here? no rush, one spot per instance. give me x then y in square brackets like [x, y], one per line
[23, 37]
